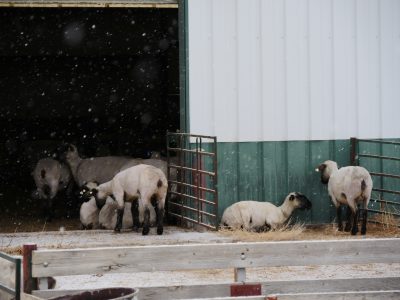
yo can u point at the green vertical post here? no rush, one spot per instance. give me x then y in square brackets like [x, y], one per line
[183, 65]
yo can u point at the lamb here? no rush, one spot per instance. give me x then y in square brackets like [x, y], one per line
[51, 177]
[89, 212]
[145, 182]
[108, 215]
[261, 216]
[93, 217]
[351, 186]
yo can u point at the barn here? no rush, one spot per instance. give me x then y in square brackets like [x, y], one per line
[281, 85]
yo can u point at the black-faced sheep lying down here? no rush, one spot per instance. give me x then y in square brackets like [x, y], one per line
[145, 182]
[51, 177]
[351, 186]
[261, 216]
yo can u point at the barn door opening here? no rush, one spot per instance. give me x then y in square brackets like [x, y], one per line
[192, 177]
[102, 75]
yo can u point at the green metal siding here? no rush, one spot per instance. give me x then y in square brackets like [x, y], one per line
[268, 171]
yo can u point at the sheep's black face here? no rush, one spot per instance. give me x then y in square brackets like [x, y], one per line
[301, 201]
[85, 194]
[324, 175]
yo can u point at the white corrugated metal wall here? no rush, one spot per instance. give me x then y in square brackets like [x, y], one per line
[275, 70]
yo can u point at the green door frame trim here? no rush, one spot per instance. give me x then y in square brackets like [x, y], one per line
[183, 65]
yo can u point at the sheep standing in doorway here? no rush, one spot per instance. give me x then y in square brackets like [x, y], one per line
[261, 216]
[51, 177]
[351, 186]
[94, 169]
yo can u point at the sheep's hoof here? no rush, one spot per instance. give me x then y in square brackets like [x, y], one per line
[145, 230]
[340, 228]
[135, 228]
[363, 231]
[354, 231]
[348, 227]
[117, 230]
[160, 230]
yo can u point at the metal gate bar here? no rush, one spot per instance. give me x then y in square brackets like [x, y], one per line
[191, 195]
[17, 290]
[355, 156]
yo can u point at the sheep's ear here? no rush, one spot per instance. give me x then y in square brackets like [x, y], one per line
[321, 167]
[291, 198]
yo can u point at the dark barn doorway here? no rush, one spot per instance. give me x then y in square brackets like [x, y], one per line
[104, 79]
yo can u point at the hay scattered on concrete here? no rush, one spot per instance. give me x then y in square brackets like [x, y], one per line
[286, 233]
[311, 232]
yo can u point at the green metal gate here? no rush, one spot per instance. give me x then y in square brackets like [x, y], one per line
[382, 159]
[192, 178]
[16, 290]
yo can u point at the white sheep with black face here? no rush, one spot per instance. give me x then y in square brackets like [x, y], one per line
[143, 182]
[351, 186]
[89, 212]
[260, 216]
[51, 177]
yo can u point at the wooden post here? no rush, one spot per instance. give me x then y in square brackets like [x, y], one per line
[240, 274]
[29, 282]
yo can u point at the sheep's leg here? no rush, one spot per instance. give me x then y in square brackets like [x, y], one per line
[119, 197]
[159, 208]
[339, 218]
[364, 220]
[349, 219]
[120, 215]
[146, 220]
[135, 215]
[355, 215]
[160, 217]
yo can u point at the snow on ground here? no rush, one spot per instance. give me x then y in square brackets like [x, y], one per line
[226, 276]
[174, 235]
[104, 238]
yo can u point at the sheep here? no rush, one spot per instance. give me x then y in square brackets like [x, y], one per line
[108, 215]
[103, 169]
[145, 182]
[95, 169]
[51, 177]
[350, 186]
[89, 212]
[260, 216]
[94, 217]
